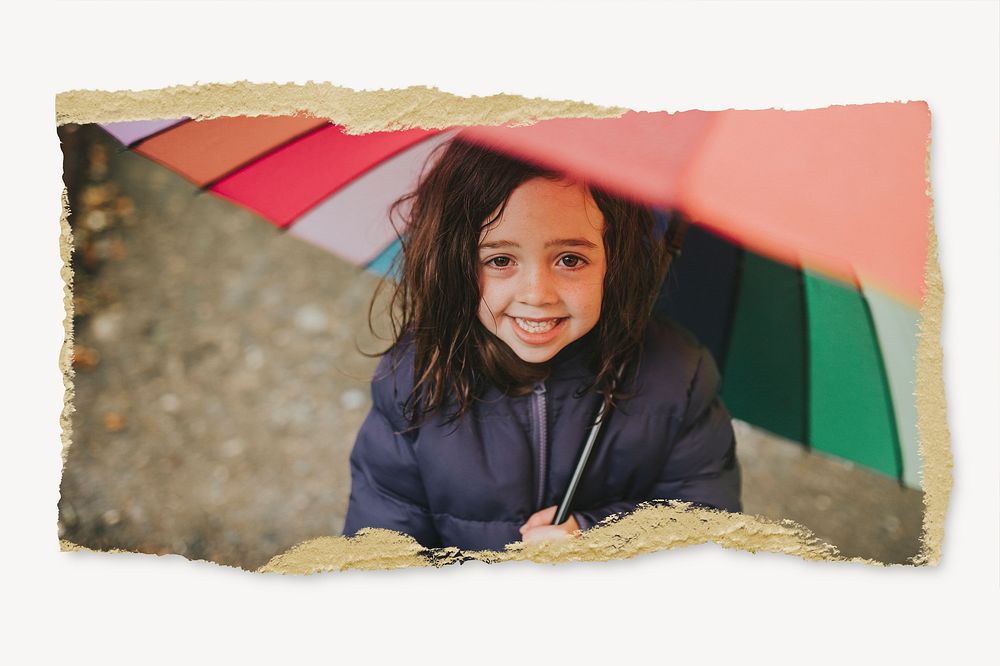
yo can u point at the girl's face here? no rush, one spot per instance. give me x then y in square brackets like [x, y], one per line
[541, 268]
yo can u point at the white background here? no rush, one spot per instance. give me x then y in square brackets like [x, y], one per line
[702, 603]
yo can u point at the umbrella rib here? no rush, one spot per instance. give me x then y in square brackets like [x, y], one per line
[806, 361]
[734, 294]
[259, 156]
[433, 134]
[135, 144]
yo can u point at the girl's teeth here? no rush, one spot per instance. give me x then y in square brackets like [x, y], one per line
[536, 326]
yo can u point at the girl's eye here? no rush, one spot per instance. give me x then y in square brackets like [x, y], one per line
[571, 261]
[499, 262]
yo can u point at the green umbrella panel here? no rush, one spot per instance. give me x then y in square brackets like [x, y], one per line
[811, 359]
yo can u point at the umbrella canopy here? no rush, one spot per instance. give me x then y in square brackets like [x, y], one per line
[804, 277]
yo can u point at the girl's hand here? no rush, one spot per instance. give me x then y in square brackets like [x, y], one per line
[539, 527]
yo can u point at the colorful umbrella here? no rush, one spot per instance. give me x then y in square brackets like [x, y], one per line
[804, 274]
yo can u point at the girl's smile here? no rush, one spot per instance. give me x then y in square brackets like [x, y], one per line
[542, 266]
[533, 331]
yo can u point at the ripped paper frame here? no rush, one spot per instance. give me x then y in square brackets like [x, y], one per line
[649, 529]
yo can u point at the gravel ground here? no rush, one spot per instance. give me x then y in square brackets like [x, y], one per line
[219, 385]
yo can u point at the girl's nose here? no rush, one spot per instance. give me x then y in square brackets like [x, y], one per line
[538, 288]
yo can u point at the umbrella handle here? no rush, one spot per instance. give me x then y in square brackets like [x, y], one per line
[562, 513]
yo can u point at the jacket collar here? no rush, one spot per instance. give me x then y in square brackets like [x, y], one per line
[575, 360]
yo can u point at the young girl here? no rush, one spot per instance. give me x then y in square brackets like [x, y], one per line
[521, 294]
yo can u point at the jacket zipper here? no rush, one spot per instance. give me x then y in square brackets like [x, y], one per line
[541, 438]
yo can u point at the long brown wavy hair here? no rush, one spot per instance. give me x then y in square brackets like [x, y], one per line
[436, 296]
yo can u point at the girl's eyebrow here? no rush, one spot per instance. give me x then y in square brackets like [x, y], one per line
[568, 242]
[492, 245]
[571, 242]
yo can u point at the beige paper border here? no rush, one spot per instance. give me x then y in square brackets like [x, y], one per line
[651, 528]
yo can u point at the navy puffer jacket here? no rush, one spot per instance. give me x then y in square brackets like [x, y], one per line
[473, 483]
